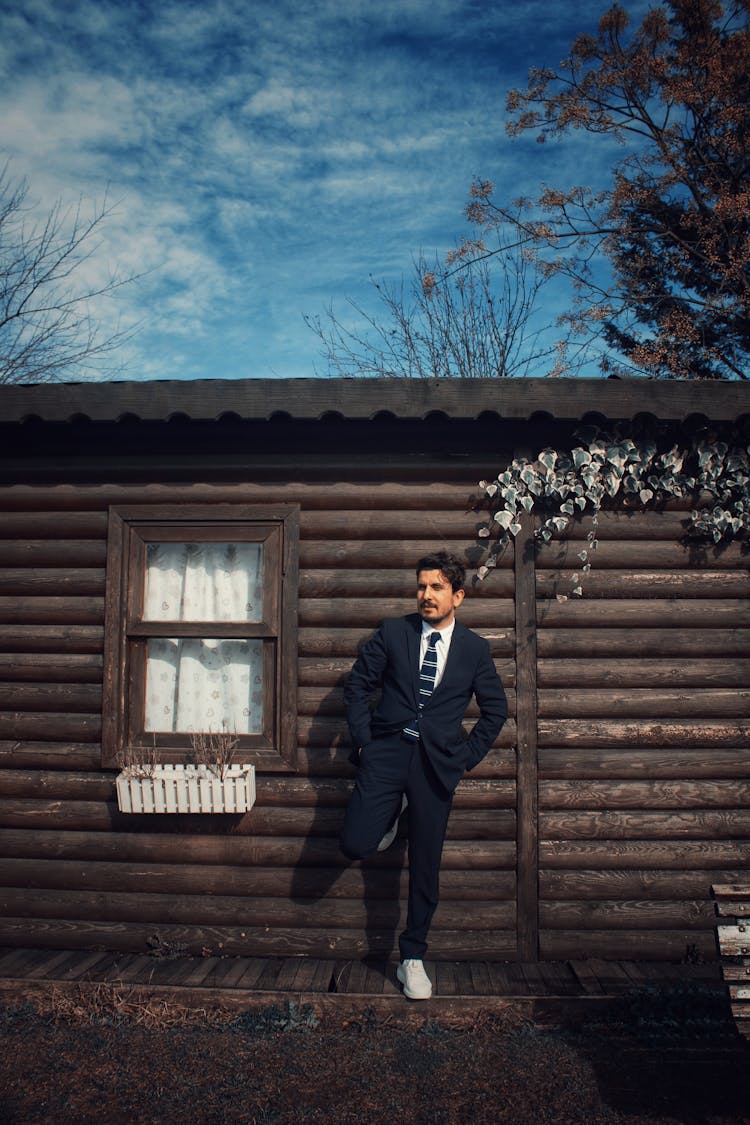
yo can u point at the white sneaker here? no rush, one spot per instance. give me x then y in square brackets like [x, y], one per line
[390, 835]
[417, 985]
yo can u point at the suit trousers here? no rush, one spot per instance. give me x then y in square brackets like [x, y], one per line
[388, 768]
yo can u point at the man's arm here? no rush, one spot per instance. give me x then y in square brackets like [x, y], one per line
[364, 678]
[493, 708]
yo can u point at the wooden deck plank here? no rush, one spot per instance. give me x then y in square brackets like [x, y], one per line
[464, 980]
[230, 971]
[377, 975]
[532, 974]
[507, 978]
[101, 970]
[444, 976]
[736, 972]
[143, 967]
[722, 891]
[49, 967]
[481, 981]
[305, 974]
[253, 971]
[611, 975]
[121, 964]
[204, 969]
[324, 975]
[558, 979]
[269, 973]
[587, 978]
[353, 981]
[734, 940]
[157, 970]
[341, 975]
[373, 979]
[391, 983]
[80, 966]
[286, 974]
[733, 908]
[22, 961]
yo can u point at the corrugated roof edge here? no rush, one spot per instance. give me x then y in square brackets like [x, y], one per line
[349, 398]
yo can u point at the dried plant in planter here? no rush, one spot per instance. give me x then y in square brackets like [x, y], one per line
[138, 761]
[214, 750]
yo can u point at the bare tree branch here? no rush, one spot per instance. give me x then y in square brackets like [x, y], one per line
[446, 323]
[47, 330]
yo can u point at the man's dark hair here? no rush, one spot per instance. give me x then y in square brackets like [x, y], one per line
[448, 565]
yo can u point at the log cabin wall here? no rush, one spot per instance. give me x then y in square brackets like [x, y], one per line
[643, 739]
[617, 793]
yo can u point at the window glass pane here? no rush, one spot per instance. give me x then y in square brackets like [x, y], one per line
[204, 582]
[200, 684]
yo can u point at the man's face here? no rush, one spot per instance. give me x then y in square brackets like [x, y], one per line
[436, 600]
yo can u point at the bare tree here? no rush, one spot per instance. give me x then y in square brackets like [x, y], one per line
[46, 327]
[467, 323]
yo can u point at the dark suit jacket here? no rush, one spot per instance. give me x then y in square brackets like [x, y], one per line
[390, 660]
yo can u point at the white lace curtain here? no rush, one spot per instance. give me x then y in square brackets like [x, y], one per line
[204, 683]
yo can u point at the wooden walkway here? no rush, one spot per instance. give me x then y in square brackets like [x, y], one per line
[542, 992]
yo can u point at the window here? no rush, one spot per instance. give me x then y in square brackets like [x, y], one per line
[201, 631]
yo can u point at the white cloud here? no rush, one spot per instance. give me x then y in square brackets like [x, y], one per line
[269, 156]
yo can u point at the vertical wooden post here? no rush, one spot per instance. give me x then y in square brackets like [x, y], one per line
[527, 804]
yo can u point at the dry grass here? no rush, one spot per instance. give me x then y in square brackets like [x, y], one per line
[117, 1003]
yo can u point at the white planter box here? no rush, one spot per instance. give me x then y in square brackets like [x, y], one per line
[180, 788]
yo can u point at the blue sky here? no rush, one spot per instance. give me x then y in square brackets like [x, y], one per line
[268, 158]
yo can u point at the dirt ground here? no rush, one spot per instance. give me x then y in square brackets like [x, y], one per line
[671, 1056]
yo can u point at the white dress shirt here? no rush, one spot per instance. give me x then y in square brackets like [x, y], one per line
[441, 648]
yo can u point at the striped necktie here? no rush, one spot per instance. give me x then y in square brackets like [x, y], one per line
[427, 674]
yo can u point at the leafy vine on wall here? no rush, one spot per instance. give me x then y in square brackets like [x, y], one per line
[615, 468]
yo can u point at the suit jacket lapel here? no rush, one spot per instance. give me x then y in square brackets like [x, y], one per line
[413, 637]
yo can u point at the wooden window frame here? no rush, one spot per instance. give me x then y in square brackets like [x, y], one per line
[131, 528]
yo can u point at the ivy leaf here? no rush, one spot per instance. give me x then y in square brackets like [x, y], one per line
[645, 495]
[615, 456]
[532, 480]
[611, 482]
[504, 519]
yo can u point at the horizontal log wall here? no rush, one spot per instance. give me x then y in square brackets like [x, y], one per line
[76, 873]
[643, 693]
[634, 743]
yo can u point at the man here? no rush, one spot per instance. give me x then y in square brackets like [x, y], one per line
[412, 749]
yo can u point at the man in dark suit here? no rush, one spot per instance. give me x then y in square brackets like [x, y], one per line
[412, 748]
